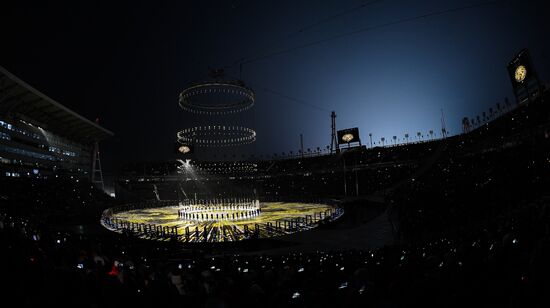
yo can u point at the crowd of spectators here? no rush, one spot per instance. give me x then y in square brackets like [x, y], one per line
[57, 200]
[502, 264]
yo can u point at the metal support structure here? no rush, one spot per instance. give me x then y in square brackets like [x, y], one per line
[345, 179]
[443, 128]
[97, 174]
[334, 147]
[356, 182]
[302, 145]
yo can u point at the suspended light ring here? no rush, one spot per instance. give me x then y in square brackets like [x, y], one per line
[217, 135]
[190, 98]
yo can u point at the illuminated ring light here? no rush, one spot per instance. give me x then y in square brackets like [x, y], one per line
[244, 98]
[217, 136]
[221, 211]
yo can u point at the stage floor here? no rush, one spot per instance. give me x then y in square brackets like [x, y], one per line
[273, 213]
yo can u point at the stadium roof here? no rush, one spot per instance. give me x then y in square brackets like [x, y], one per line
[19, 98]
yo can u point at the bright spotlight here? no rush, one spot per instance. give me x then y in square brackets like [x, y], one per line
[184, 149]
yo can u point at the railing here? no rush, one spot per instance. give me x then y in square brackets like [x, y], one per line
[139, 229]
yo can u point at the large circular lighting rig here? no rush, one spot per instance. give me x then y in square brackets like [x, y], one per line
[213, 98]
[205, 98]
[217, 136]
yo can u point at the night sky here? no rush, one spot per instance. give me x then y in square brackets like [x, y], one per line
[387, 67]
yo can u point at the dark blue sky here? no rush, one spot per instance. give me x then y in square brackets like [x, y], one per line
[127, 63]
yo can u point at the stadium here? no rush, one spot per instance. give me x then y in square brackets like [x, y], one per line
[203, 217]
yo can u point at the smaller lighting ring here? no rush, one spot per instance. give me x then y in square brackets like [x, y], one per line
[216, 136]
[227, 167]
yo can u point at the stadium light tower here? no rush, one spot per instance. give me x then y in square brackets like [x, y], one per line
[302, 145]
[443, 127]
[97, 174]
[333, 142]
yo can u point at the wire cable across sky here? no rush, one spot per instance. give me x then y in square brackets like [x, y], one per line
[366, 29]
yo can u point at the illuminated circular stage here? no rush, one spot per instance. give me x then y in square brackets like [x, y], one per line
[218, 221]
